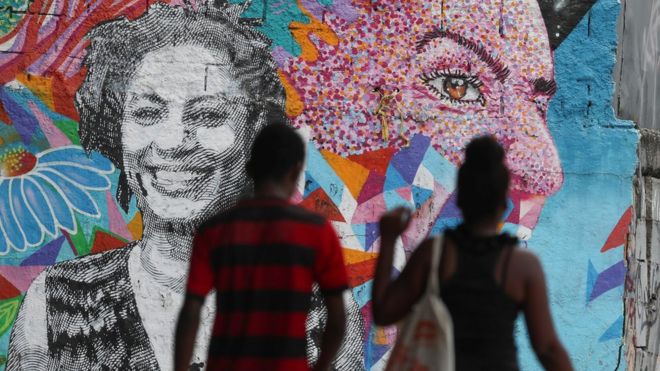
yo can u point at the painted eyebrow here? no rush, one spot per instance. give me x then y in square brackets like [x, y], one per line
[544, 87]
[494, 63]
[151, 97]
[202, 98]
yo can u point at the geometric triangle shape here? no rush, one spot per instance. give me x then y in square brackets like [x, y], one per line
[116, 222]
[319, 202]
[371, 235]
[8, 312]
[21, 277]
[105, 241]
[618, 235]
[311, 185]
[358, 234]
[24, 122]
[54, 136]
[359, 273]
[592, 274]
[405, 193]
[46, 255]
[608, 279]
[408, 160]
[7, 289]
[352, 256]
[66, 253]
[135, 226]
[376, 161]
[450, 208]
[420, 195]
[369, 212]
[372, 187]
[394, 180]
[352, 174]
[615, 331]
[40, 86]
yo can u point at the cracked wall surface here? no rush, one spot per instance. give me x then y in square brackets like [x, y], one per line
[125, 124]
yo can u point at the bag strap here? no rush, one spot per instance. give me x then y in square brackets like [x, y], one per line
[433, 284]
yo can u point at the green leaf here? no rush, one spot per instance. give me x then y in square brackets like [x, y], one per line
[8, 311]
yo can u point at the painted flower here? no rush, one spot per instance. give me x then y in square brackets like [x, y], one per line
[41, 194]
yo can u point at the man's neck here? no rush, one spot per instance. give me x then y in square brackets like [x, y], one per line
[271, 189]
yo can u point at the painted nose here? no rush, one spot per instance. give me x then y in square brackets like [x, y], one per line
[532, 155]
[174, 132]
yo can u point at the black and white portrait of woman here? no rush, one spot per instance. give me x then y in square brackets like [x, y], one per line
[173, 98]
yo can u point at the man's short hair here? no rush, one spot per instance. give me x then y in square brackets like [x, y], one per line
[118, 47]
[276, 150]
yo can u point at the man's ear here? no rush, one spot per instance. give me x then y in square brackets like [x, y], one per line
[296, 171]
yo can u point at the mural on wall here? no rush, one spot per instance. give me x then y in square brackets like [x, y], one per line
[125, 124]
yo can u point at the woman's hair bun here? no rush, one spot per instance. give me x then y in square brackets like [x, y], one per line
[484, 152]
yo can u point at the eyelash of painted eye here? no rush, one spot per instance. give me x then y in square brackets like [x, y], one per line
[210, 117]
[146, 114]
[472, 81]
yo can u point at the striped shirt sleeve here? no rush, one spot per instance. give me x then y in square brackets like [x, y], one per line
[329, 268]
[200, 274]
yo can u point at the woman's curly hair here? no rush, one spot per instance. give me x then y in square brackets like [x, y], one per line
[117, 48]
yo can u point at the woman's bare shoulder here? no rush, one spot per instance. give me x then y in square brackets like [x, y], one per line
[527, 262]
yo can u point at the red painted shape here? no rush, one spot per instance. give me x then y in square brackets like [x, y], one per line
[7, 290]
[104, 241]
[618, 235]
[377, 161]
[319, 202]
[361, 272]
[4, 117]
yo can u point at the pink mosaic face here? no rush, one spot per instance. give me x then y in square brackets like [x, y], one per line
[447, 72]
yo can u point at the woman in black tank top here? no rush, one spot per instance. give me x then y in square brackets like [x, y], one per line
[486, 281]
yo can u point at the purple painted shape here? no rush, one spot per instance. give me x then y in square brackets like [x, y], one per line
[280, 55]
[371, 235]
[407, 160]
[608, 279]
[46, 255]
[372, 187]
[313, 7]
[341, 8]
[24, 123]
[344, 9]
[450, 208]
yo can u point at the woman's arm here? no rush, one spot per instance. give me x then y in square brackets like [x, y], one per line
[545, 341]
[392, 300]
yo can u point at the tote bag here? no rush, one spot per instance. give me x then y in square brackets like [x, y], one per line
[425, 342]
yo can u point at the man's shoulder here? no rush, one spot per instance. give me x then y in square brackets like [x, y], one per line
[260, 213]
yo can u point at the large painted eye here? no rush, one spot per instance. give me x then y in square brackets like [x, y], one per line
[455, 87]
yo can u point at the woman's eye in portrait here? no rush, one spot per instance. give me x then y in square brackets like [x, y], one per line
[147, 116]
[454, 86]
[208, 117]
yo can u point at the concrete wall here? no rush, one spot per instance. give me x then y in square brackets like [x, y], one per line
[637, 72]
[642, 335]
[388, 94]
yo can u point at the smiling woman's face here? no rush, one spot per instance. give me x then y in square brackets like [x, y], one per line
[183, 133]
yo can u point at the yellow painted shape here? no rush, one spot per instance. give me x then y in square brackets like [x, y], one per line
[301, 31]
[135, 226]
[294, 104]
[351, 173]
[40, 86]
[352, 256]
[380, 337]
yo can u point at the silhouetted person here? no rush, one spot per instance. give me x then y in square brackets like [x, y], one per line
[485, 280]
[262, 258]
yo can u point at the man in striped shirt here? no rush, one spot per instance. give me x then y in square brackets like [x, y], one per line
[262, 258]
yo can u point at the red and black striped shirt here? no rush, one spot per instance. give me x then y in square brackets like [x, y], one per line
[262, 257]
